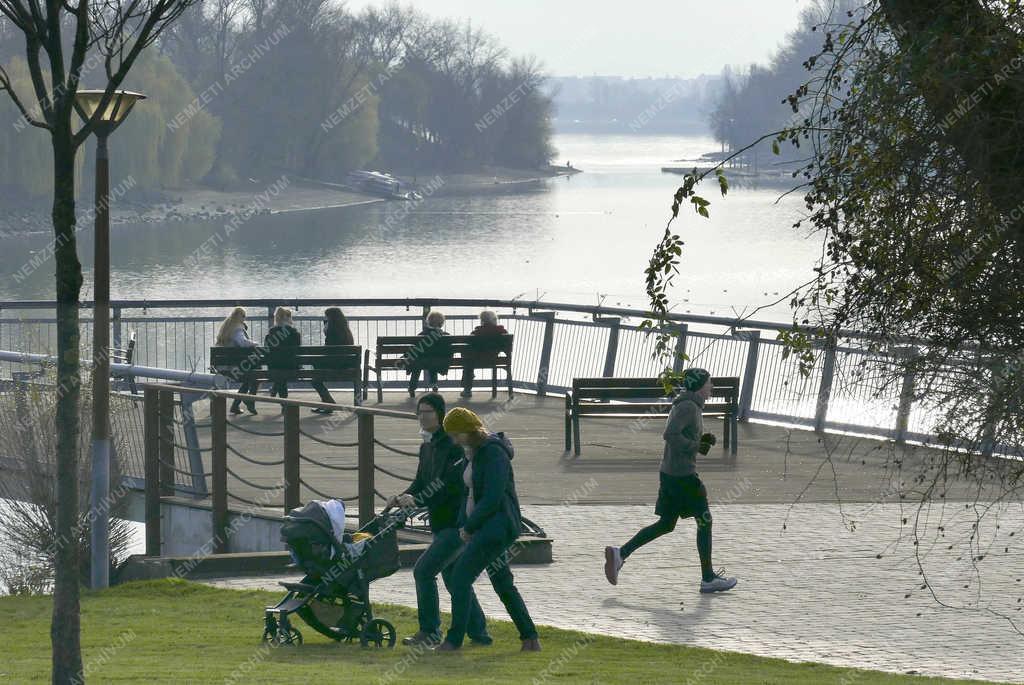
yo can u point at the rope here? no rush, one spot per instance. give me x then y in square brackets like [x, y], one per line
[251, 460]
[251, 484]
[183, 447]
[393, 474]
[327, 466]
[255, 504]
[177, 470]
[395, 450]
[324, 494]
[328, 442]
[252, 432]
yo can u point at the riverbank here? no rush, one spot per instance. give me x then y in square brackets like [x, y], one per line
[281, 195]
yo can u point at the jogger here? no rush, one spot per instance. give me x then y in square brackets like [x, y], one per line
[681, 494]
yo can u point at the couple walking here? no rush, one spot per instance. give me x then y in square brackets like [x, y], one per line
[465, 480]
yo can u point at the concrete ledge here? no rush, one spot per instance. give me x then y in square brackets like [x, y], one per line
[527, 550]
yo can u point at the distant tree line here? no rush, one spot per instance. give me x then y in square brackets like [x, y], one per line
[242, 88]
[751, 100]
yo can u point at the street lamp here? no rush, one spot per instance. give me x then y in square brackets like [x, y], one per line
[87, 102]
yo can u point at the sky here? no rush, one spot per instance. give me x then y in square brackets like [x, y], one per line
[683, 38]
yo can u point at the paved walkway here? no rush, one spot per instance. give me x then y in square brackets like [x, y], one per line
[814, 591]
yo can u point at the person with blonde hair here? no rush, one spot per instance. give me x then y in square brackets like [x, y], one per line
[489, 523]
[233, 332]
[281, 343]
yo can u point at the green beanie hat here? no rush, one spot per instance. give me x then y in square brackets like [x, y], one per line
[694, 379]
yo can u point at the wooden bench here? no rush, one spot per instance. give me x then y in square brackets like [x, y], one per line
[125, 355]
[643, 397]
[327, 363]
[402, 352]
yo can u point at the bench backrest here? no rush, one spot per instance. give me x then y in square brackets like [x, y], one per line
[601, 389]
[428, 351]
[345, 359]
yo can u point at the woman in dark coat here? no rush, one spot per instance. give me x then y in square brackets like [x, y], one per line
[336, 332]
[489, 524]
[280, 343]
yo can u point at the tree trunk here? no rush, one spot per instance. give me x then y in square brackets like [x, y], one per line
[64, 629]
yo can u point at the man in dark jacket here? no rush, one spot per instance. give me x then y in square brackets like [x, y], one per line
[281, 343]
[489, 523]
[483, 351]
[438, 486]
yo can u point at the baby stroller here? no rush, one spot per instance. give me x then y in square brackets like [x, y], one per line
[333, 597]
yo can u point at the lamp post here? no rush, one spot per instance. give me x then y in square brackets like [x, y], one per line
[87, 102]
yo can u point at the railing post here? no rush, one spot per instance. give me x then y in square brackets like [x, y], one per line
[749, 372]
[613, 345]
[115, 319]
[195, 457]
[543, 370]
[909, 355]
[680, 351]
[828, 372]
[151, 444]
[366, 486]
[291, 458]
[167, 479]
[219, 477]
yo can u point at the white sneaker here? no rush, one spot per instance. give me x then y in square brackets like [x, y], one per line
[718, 584]
[612, 564]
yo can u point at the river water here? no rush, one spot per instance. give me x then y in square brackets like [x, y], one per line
[582, 239]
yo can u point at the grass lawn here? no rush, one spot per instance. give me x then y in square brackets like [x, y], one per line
[173, 631]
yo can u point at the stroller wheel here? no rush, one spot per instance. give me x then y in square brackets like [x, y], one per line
[287, 636]
[378, 633]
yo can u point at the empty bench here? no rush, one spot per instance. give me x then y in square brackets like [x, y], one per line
[327, 363]
[446, 352]
[643, 397]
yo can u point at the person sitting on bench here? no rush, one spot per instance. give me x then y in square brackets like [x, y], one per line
[336, 332]
[281, 342]
[486, 354]
[432, 355]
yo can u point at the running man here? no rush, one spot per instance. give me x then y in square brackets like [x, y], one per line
[682, 494]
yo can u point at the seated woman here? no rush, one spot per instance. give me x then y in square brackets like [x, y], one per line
[234, 333]
[336, 332]
[281, 341]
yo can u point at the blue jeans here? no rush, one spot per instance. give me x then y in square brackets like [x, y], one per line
[491, 551]
[438, 558]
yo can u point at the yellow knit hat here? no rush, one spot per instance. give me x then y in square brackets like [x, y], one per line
[462, 420]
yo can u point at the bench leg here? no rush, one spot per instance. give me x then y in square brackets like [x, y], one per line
[576, 432]
[494, 382]
[380, 388]
[366, 372]
[568, 424]
[357, 393]
[726, 431]
[735, 435]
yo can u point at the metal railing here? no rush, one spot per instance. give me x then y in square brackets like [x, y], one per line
[246, 472]
[555, 342]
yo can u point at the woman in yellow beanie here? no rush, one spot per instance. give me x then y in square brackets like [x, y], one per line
[489, 523]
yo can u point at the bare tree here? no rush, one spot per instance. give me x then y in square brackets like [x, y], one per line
[118, 32]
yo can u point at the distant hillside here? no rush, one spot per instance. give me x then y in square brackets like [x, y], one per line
[599, 104]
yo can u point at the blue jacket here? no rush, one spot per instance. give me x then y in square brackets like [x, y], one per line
[495, 502]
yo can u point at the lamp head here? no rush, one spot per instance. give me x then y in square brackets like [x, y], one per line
[121, 103]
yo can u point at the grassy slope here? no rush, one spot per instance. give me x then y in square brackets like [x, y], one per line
[178, 632]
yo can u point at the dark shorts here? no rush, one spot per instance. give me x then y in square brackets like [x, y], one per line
[682, 496]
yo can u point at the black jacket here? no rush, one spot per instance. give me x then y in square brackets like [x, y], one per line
[433, 353]
[280, 344]
[438, 485]
[495, 502]
[337, 335]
